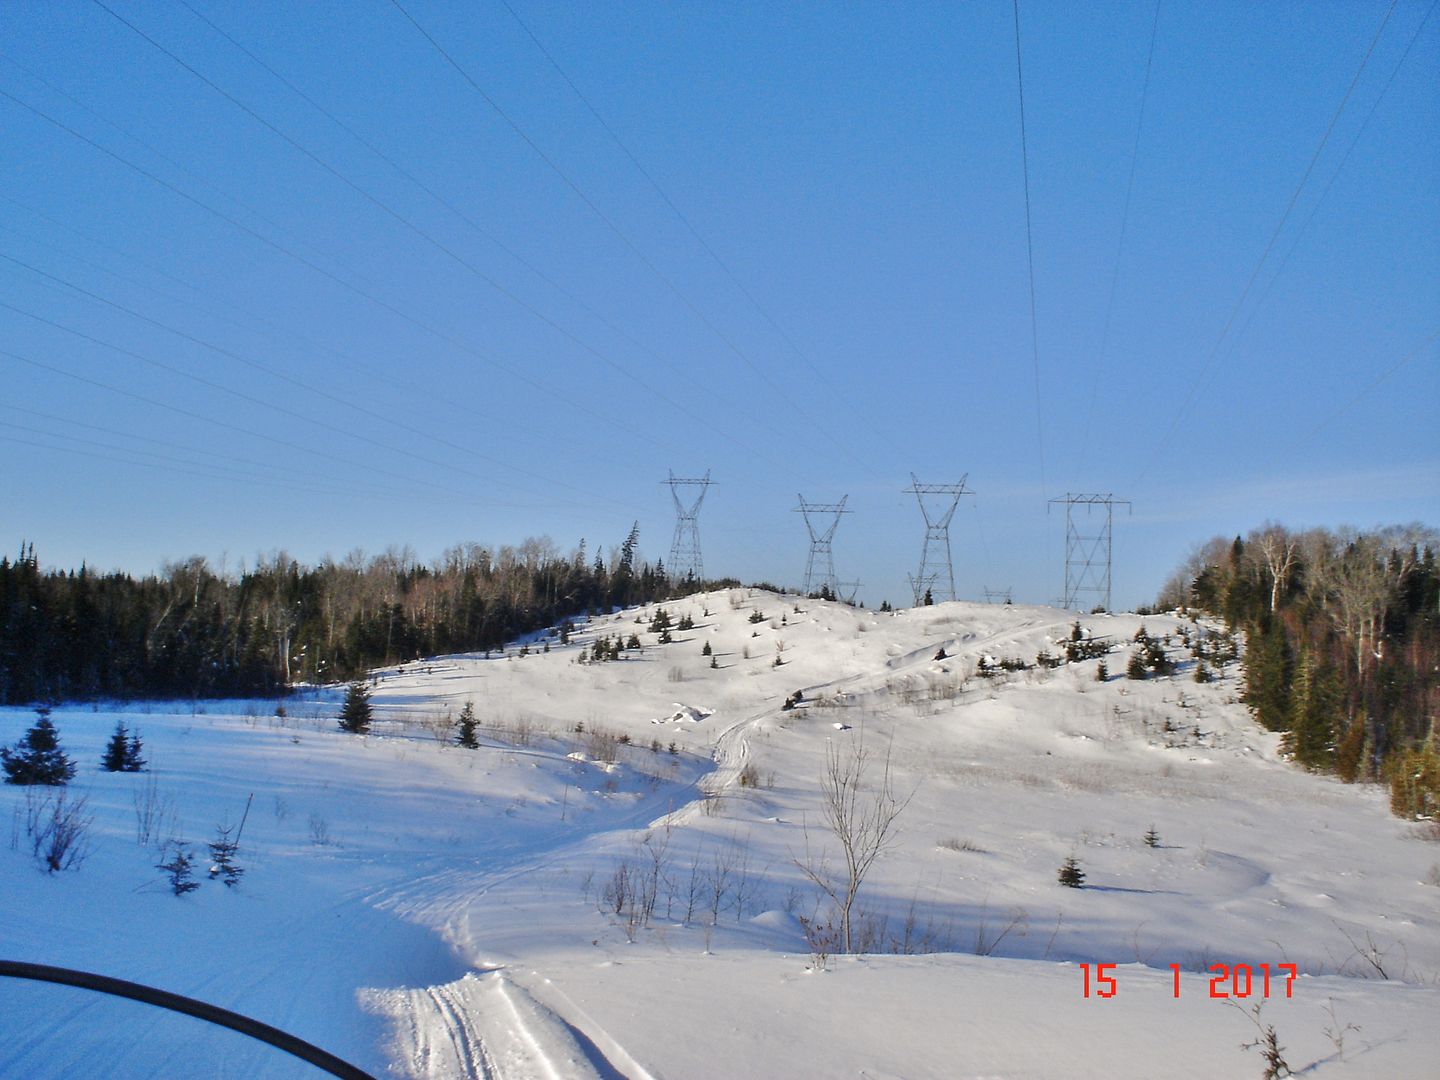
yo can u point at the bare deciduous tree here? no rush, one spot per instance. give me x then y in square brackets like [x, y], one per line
[860, 816]
[1278, 549]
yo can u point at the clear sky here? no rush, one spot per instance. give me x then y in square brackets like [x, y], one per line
[342, 275]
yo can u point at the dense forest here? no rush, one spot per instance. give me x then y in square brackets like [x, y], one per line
[190, 631]
[1343, 646]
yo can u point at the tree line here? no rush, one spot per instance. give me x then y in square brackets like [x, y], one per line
[1343, 646]
[194, 631]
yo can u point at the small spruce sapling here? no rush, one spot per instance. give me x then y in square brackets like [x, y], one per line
[37, 757]
[123, 751]
[1135, 669]
[1152, 838]
[1071, 875]
[179, 871]
[114, 757]
[355, 714]
[466, 725]
[1102, 672]
[222, 857]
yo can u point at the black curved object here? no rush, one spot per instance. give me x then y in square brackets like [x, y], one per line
[163, 999]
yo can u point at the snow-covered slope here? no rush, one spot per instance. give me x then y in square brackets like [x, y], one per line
[432, 911]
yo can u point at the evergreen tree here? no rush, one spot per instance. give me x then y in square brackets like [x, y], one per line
[1071, 874]
[1135, 669]
[706, 650]
[37, 757]
[116, 750]
[1267, 676]
[1152, 838]
[1311, 735]
[928, 600]
[355, 713]
[1102, 672]
[465, 736]
[134, 762]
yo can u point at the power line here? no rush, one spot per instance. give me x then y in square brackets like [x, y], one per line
[202, 470]
[609, 223]
[301, 384]
[1119, 247]
[527, 264]
[283, 470]
[683, 218]
[1159, 447]
[226, 425]
[402, 219]
[1030, 252]
[1324, 194]
[262, 403]
[1367, 388]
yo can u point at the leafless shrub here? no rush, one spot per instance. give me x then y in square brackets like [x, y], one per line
[319, 831]
[55, 826]
[1266, 1042]
[824, 939]
[1369, 958]
[601, 744]
[1337, 1031]
[676, 674]
[154, 814]
[914, 937]
[988, 939]
[951, 843]
[750, 775]
[441, 726]
[860, 817]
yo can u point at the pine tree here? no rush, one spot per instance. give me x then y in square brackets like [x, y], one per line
[1152, 838]
[1071, 874]
[706, 650]
[116, 750]
[1135, 669]
[1102, 673]
[465, 736]
[928, 600]
[355, 713]
[37, 758]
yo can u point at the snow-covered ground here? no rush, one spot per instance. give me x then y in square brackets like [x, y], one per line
[426, 910]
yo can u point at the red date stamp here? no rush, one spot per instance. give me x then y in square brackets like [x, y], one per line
[1230, 980]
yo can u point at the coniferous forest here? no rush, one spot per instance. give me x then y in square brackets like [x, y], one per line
[193, 631]
[1343, 646]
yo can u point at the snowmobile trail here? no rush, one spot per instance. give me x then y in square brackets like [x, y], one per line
[488, 1027]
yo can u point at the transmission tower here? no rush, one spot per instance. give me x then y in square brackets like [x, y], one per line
[820, 566]
[997, 596]
[1087, 555]
[685, 558]
[935, 563]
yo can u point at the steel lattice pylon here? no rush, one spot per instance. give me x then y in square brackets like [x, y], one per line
[935, 562]
[685, 560]
[1087, 558]
[820, 565]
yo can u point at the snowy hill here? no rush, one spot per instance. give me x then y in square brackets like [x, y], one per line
[609, 885]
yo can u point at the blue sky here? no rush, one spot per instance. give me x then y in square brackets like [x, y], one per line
[230, 326]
